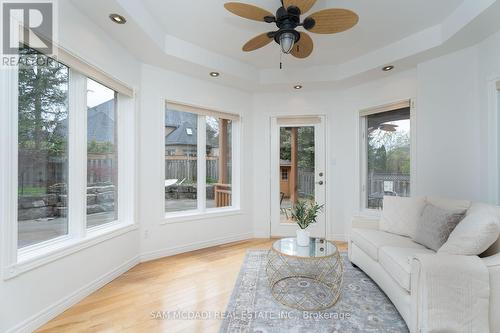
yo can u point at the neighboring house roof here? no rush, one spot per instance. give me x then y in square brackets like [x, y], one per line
[186, 129]
[185, 134]
[177, 118]
[100, 122]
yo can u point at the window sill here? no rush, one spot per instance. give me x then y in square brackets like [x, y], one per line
[173, 218]
[65, 246]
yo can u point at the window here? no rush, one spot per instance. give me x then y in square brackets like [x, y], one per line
[386, 155]
[65, 156]
[199, 175]
[218, 162]
[102, 161]
[284, 174]
[42, 149]
[181, 168]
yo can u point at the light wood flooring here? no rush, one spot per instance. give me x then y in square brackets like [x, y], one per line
[195, 281]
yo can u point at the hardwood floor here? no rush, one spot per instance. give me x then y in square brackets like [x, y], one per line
[196, 281]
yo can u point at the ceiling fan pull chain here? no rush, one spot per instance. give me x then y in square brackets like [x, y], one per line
[281, 60]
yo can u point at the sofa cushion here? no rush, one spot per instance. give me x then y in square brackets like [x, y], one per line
[370, 241]
[435, 226]
[475, 233]
[396, 261]
[400, 215]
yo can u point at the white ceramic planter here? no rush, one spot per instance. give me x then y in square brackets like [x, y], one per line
[302, 237]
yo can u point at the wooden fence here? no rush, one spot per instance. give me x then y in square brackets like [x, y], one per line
[306, 182]
[187, 168]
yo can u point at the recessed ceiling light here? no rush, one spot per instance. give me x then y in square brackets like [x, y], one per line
[214, 74]
[117, 18]
[388, 68]
[297, 87]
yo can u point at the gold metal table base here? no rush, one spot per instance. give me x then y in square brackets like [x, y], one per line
[305, 283]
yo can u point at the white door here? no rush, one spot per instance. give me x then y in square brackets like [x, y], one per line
[297, 171]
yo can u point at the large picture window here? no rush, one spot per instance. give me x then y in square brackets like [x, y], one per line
[42, 149]
[387, 156]
[198, 159]
[70, 123]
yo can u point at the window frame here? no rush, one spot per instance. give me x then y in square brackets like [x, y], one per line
[494, 139]
[362, 164]
[16, 261]
[202, 212]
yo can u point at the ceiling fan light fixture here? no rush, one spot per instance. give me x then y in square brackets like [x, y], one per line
[287, 40]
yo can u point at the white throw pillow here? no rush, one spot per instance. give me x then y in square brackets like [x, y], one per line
[400, 215]
[475, 233]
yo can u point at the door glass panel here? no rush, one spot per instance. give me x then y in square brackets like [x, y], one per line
[297, 168]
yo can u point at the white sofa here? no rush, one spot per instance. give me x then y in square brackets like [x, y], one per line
[385, 258]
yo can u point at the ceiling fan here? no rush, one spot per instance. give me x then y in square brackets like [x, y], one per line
[287, 19]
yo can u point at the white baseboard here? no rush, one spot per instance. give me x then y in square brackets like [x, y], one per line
[170, 251]
[39, 319]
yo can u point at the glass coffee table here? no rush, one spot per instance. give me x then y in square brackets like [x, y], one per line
[307, 278]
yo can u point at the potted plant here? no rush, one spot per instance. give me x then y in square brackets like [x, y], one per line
[304, 215]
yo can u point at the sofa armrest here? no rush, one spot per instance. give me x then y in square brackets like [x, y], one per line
[493, 264]
[363, 222]
[459, 303]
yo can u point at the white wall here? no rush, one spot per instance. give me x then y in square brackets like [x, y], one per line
[457, 123]
[39, 294]
[448, 127]
[159, 239]
[341, 109]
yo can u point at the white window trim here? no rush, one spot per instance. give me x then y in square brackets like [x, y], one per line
[494, 139]
[17, 261]
[361, 164]
[201, 212]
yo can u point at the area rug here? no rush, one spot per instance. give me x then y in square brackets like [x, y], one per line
[362, 306]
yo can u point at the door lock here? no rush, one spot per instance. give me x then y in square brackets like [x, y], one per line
[320, 182]
[321, 174]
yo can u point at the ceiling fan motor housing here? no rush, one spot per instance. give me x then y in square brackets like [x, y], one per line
[287, 21]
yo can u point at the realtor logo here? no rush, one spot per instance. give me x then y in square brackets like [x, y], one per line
[27, 24]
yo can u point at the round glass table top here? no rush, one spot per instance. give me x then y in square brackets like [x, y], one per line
[317, 248]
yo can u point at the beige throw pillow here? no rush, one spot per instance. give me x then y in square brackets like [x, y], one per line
[435, 226]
